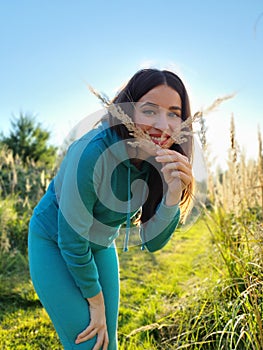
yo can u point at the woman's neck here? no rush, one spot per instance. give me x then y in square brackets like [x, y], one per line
[137, 156]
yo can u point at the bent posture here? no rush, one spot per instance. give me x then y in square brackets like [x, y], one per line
[107, 177]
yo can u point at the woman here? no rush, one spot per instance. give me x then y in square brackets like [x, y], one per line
[102, 182]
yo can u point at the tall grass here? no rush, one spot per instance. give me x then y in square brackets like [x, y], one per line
[239, 243]
[21, 186]
[224, 311]
[235, 225]
[238, 235]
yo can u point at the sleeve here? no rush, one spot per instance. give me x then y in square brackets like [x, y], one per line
[75, 219]
[158, 230]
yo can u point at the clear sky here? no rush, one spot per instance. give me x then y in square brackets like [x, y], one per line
[50, 49]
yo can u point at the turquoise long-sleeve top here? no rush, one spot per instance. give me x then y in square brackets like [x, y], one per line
[95, 191]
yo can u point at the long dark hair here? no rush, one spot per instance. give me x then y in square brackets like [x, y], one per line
[141, 83]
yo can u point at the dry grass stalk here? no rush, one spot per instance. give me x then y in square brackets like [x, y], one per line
[260, 165]
[202, 133]
[118, 113]
[239, 187]
[234, 170]
[142, 138]
[179, 136]
[260, 158]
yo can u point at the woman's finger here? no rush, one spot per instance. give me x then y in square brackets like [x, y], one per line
[102, 340]
[184, 178]
[84, 336]
[176, 166]
[86, 331]
[171, 158]
[168, 155]
[106, 341]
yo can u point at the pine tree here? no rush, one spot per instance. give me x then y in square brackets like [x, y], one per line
[29, 140]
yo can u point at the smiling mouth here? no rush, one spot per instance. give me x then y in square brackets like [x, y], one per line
[160, 140]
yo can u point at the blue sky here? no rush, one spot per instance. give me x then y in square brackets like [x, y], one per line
[50, 50]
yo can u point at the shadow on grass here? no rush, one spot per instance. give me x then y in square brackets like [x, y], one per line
[13, 302]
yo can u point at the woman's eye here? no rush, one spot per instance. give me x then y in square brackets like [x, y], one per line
[174, 115]
[149, 112]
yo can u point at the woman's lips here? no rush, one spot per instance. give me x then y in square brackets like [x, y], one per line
[160, 140]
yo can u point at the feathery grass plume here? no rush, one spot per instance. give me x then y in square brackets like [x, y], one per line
[117, 112]
[237, 189]
[234, 170]
[7, 215]
[249, 177]
[233, 142]
[142, 138]
[260, 156]
[243, 187]
[226, 182]
[254, 194]
[211, 195]
[179, 136]
[260, 165]
[202, 133]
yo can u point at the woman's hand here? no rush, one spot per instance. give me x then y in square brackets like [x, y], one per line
[97, 324]
[177, 172]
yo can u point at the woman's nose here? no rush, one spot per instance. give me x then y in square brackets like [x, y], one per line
[161, 122]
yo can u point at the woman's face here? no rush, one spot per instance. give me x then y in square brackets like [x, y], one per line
[158, 113]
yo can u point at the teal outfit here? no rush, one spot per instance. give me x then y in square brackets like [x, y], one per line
[72, 232]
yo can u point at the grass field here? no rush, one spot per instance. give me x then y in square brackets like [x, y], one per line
[152, 285]
[204, 290]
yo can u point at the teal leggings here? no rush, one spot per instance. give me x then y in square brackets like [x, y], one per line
[60, 296]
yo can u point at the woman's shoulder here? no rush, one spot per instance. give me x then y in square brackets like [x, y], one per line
[93, 143]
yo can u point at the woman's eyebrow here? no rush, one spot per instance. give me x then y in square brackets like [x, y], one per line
[157, 106]
[149, 104]
[175, 107]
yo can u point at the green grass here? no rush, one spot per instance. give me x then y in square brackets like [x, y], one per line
[24, 323]
[182, 297]
[153, 286]
[150, 284]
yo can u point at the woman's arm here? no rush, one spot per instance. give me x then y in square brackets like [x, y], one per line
[177, 172]
[77, 197]
[157, 231]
